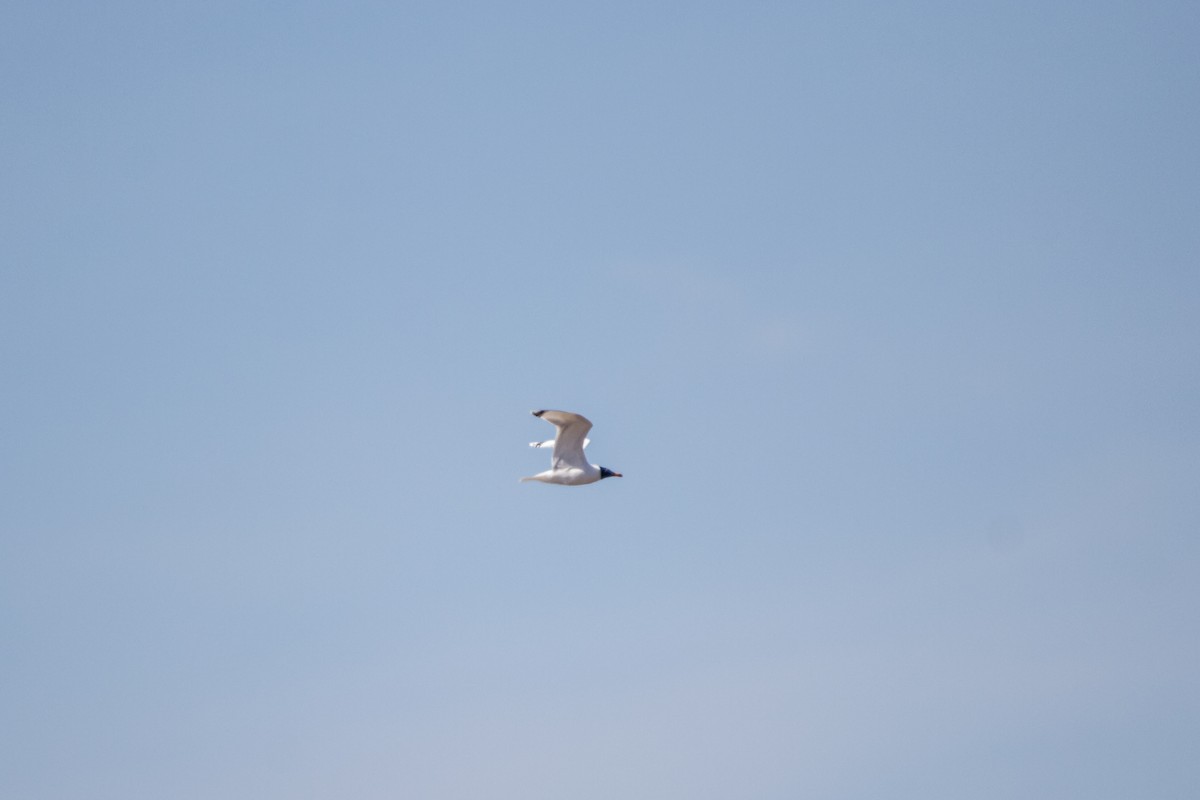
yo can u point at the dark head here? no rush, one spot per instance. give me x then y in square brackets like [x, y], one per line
[605, 472]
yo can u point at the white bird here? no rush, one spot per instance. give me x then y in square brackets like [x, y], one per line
[568, 466]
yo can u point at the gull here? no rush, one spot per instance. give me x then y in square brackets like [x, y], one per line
[568, 466]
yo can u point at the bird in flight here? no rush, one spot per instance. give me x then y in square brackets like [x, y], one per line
[568, 466]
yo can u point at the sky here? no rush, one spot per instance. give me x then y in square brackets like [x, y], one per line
[888, 312]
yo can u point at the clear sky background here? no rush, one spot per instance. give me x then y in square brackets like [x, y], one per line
[888, 312]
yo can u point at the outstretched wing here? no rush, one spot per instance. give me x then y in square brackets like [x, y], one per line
[569, 442]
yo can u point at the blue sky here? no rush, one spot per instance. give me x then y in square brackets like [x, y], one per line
[889, 314]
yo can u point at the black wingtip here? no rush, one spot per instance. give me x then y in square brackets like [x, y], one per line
[538, 413]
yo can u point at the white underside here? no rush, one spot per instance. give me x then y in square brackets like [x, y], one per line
[568, 476]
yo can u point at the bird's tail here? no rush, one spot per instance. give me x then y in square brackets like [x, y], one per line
[550, 443]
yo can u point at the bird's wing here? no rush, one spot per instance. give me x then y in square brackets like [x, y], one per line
[550, 443]
[568, 443]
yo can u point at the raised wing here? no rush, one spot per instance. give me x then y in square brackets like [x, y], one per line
[569, 442]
